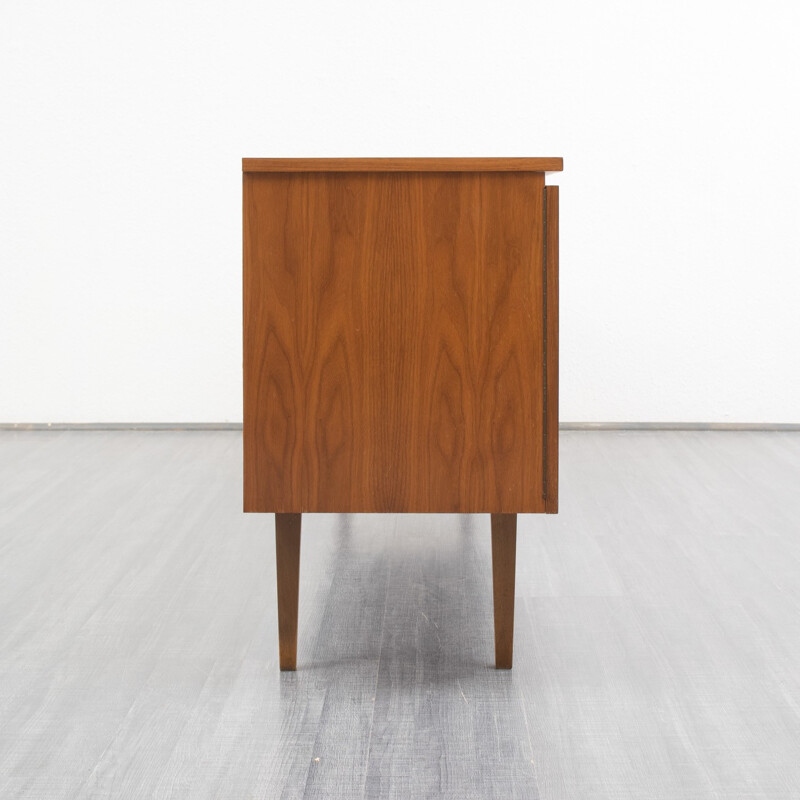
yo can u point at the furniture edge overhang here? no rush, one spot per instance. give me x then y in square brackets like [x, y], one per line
[547, 164]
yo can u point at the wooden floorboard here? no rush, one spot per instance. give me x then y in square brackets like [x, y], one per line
[656, 652]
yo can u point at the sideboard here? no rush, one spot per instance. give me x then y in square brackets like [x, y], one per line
[400, 349]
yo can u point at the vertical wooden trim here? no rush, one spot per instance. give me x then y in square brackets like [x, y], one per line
[287, 553]
[544, 345]
[504, 563]
[551, 349]
[245, 233]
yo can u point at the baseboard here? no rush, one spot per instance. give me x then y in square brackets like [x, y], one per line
[679, 426]
[121, 426]
[237, 426]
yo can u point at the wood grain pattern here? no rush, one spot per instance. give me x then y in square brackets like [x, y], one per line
[551, 350]
[402, 164]
[504, 565]
[287, 561]
[393, 342]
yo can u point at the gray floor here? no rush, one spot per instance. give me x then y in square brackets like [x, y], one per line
[657, 635]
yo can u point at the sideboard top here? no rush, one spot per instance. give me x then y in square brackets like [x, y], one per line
[554, 164]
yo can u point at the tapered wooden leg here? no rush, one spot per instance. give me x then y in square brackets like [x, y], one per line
[287, 549]
[504, 561]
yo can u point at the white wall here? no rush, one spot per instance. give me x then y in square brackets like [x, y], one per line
[122, 127]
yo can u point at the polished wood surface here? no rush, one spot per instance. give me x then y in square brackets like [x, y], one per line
[504, 557]
[394, 342]
[402, 164]
[551, 350]
[400, 349]
[287, 560]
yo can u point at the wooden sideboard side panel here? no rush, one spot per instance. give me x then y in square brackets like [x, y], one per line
[551, 349]
[394, 343]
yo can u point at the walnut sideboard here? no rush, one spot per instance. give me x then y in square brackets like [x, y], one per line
[400, 349]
